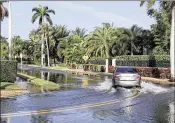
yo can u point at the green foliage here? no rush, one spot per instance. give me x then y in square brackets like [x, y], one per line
[159, 51]
[4, 50]
[8, 71]
[161, 29]
[17, 44]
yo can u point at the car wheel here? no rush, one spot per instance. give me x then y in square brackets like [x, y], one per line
[116, 86]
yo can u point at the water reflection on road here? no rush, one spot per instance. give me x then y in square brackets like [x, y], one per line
[154, 105]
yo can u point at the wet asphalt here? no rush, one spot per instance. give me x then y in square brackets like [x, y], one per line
[152, 104]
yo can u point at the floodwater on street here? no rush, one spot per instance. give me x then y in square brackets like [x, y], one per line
[89, 100]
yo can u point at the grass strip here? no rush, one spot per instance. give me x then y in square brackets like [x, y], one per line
[9, 89]
[10, 86]
[47, 85]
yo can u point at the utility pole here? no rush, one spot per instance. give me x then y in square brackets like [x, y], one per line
[172, 45]
[10, 32]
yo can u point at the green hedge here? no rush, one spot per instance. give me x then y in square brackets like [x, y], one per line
[144, 60]
[143, 57]
[8, 71]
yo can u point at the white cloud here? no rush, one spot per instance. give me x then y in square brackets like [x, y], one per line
[110, 17]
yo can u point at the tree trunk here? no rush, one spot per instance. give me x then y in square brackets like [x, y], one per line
[48, 59]
[172, 45]
[42, 45]
[107, 50]
[42, 50]
[10, 32]
[131, 49]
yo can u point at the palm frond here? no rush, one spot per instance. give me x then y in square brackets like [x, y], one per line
[35, 16]
[36, 10]
[50, 11]
[142, 3]
[48, 19]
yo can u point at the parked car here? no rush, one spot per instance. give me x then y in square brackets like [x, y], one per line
[126, 76]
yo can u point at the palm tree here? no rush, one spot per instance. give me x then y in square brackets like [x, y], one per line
[17, 43]
[42, 12]
[59, 34]
[79, 32]
[136, 32]
[103, 35]
[123, 39]
[171, 7]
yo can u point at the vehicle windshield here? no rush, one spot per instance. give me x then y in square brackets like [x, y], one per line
[126, 70]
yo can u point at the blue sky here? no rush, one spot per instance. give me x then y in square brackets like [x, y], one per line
[84, 14]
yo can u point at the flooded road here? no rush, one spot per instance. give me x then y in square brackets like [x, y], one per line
[84, 99]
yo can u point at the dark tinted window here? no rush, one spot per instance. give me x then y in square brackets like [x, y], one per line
[126, 70]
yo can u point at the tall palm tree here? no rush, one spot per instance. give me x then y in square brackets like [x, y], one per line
[42, 12]
[171, 7]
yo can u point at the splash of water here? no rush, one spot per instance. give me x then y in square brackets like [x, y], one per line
[145, 87]
[150, 87]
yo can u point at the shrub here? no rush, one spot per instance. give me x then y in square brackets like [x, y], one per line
[8, 71]
[163, 73]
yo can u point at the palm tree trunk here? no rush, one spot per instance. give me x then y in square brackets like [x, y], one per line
[172, 45]
[42, 50]
[10, 32]
[131, 49]
[107, 50]
[48, 52]
[42, 45]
